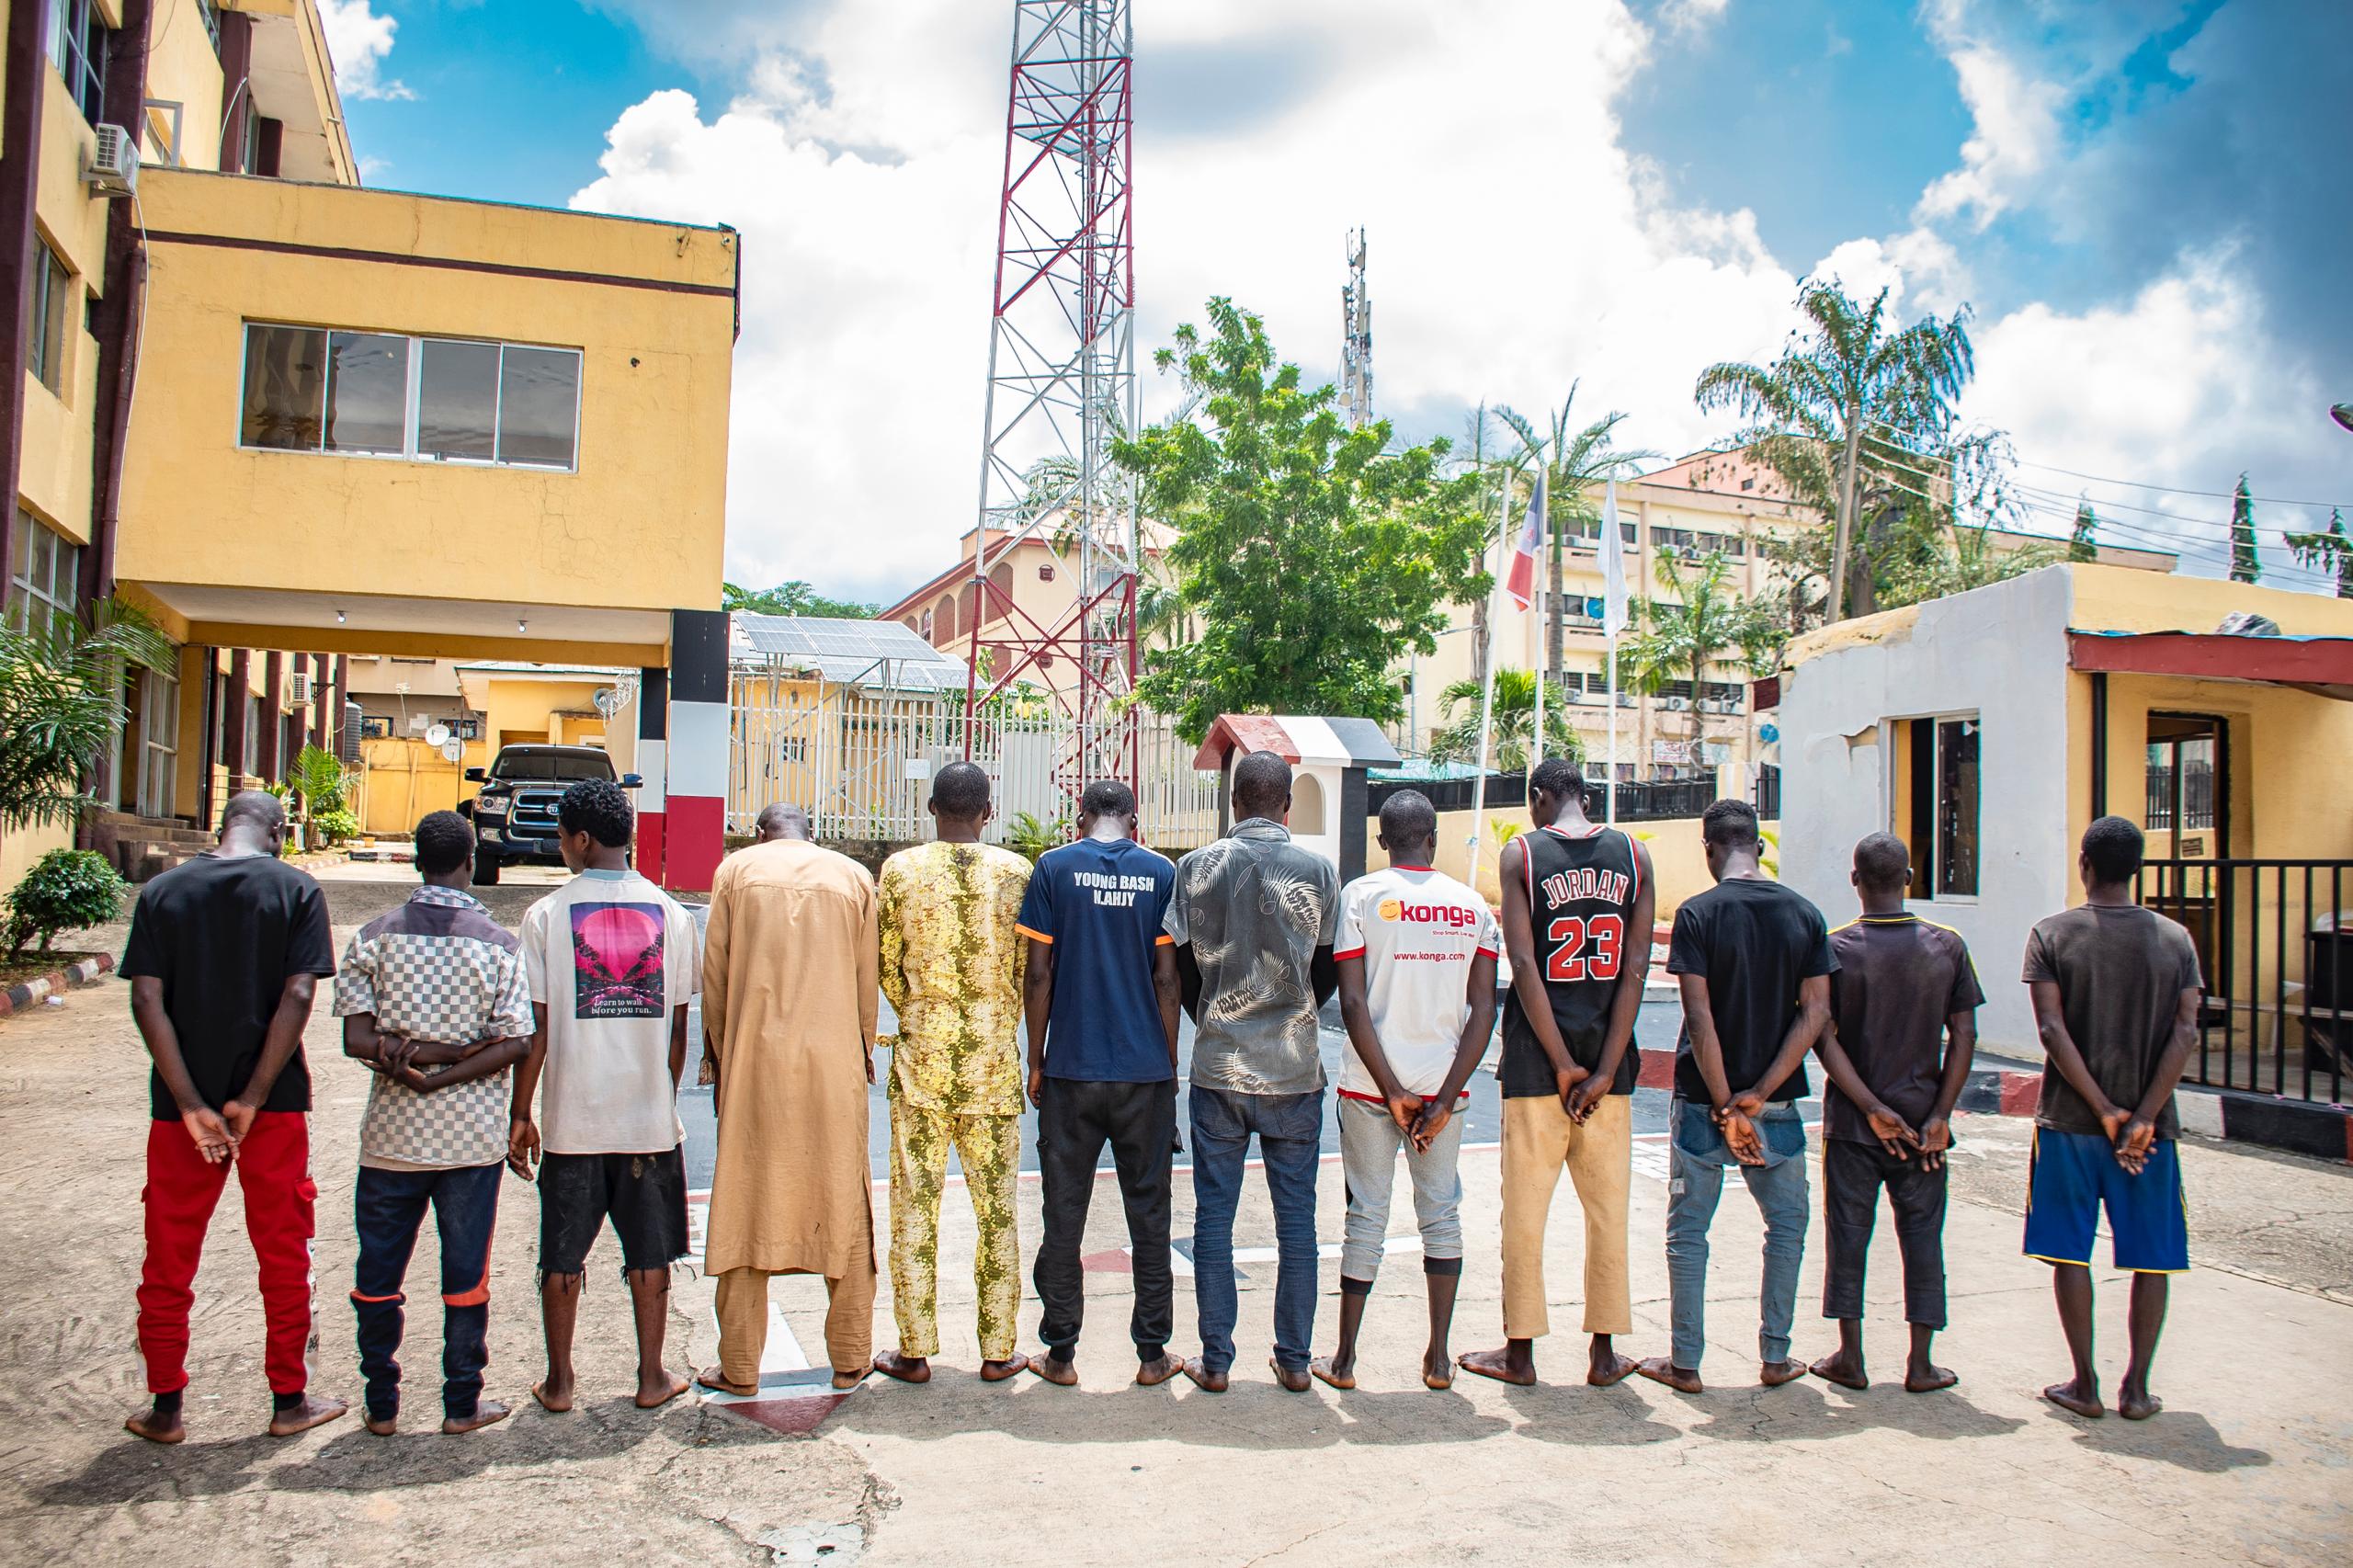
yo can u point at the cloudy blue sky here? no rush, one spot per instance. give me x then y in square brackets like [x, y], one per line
[2143, 203]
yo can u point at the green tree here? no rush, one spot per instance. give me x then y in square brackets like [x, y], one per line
[1703, 622]
[1577, 461]
[795, 597]
[2331, 551]
[2084, 543]
[1312, 555]
[1851, 397]
[2246, 566]
[61, 707]
[1513, 722]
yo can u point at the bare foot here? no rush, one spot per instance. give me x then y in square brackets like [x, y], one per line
[1152, 1373]
[851, 1380]
[1498, 1364]
[654, 1396]
[713, 1379]
[554, 1397]
[1836, 1367]
[2137, 1404]
[1329, 1371]
[997, 1371]
[1660, 1370]
[2082, 1401]
[487, 1412]
[1773, 1374]
[1438, 1370]
[313, 1412]
[156, 1428]
[1060, 1373]
[1296, 1381]
[383, 1428]
[906, 1369]
[1202, 1378]
[1608, 1373]
[1928, 1380]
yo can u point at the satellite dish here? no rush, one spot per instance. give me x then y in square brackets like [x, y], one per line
[436, 735]
[453, 748]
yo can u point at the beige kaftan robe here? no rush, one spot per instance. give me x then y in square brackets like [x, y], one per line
[788, 997]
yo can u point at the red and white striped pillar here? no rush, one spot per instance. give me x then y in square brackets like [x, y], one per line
[695, 751]
[652, 746]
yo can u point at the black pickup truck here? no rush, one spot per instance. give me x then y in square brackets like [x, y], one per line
[514, 814]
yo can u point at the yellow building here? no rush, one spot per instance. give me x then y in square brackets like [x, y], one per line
[311, 421]
[1988, 729]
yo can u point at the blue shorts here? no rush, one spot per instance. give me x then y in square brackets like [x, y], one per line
[2074, 1175]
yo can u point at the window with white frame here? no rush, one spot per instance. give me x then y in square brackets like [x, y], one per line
[45, 584]
[427, 399]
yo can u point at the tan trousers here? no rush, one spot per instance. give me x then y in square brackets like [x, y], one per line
[742, 1308]
[1539, 1138]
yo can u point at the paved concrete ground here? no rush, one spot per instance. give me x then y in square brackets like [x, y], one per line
[2251, 1462]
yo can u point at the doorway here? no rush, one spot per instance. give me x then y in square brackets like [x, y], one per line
[2188, 785]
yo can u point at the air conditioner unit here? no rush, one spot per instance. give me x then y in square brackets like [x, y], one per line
[1678, 704]
[298, 690]
[114, 162]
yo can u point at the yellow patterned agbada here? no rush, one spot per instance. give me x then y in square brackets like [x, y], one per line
[952, 968]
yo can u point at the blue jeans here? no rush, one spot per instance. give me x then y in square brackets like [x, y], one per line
[1291, 1135]
[388, 1207]
[1695, 1181]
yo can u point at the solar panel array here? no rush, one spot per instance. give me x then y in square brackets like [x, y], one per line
[847, 650]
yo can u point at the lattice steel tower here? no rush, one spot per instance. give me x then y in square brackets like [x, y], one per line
[1356, 339]
[1062, 382]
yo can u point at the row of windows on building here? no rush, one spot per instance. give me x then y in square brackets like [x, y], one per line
[954, 612]
[1683, 541]
[427, 399]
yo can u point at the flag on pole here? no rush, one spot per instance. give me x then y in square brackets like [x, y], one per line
[1521, 583]
[1613, 565]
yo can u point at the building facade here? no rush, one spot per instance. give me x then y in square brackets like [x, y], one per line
[293, 421]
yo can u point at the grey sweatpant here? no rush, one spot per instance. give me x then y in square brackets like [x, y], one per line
[1370, 1139]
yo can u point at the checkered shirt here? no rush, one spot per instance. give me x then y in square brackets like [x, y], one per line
[440, 970]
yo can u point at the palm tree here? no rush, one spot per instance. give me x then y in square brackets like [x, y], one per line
[1514, 720]
[62, 706]
[1704, 623]
[1849, 386]
[2327, 551]
[1576, 461]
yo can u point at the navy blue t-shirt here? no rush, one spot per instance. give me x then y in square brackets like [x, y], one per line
[1101, 903]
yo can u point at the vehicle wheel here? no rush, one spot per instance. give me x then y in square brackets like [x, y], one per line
[485, 869]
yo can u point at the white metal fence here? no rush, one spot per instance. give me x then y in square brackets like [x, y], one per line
[860, 762]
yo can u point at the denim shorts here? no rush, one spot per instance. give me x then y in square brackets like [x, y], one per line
[644, 1196]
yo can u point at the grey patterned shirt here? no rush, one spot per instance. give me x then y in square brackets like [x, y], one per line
[439, 969]
[1255, 906]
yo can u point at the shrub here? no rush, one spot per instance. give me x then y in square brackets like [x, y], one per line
[66, 890]
[318, 778]
[334, 825]
[1029, 837]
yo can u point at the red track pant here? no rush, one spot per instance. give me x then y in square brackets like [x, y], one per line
[274, 1170]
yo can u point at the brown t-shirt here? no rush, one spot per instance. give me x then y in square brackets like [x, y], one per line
[1899, 977]
[2120, 971]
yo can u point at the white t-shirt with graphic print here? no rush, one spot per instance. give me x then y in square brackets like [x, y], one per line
[1418, 931]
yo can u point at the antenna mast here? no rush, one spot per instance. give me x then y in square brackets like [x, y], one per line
[1356, 350]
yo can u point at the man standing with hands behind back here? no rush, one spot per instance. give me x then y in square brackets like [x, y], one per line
[225, 956]
[1754, 962]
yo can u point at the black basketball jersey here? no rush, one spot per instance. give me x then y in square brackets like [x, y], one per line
[1580, 891]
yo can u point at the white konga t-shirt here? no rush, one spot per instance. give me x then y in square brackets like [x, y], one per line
[1418, 931]
[609, 955]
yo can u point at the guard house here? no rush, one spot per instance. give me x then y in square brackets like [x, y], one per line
[1331, 760]
[1988, 729]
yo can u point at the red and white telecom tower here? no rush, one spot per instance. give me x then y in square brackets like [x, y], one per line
[1063, 381]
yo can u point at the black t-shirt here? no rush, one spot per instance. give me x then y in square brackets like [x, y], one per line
[2120, 970]
[1898, 979]
[225, 934]
[1753, 941]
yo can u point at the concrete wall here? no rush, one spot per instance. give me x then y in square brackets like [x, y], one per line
[1999, 652]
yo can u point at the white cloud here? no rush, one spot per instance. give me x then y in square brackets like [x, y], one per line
[1516, 248]
[358, 41]
[1691, 16]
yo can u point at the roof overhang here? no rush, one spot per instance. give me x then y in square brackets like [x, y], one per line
[2323, 665]
[1297, 738]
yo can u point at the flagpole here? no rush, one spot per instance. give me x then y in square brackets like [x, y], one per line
[1613, 621]
[1487, 689]
[1611, 788]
